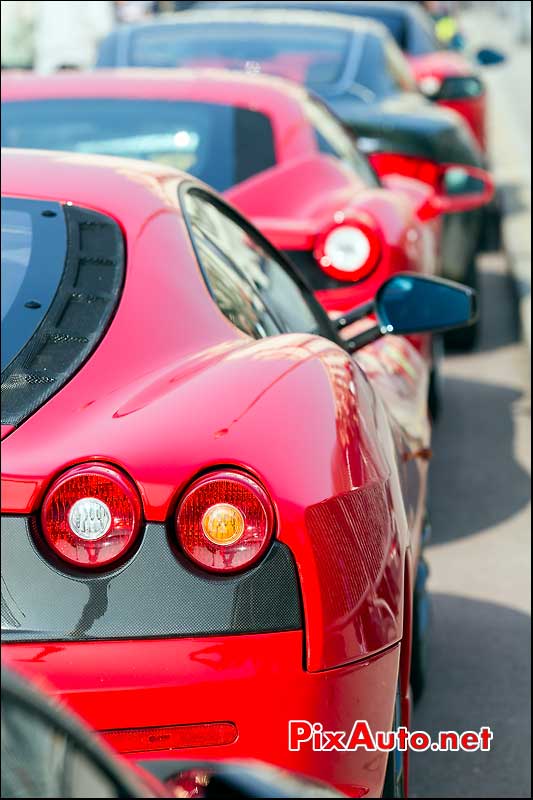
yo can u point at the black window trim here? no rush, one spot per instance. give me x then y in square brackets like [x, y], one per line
[233, 265]
[25, 386]
[326, 327]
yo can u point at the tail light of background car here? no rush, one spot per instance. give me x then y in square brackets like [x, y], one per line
[349, 250]
[410, 166]
[452, 87]
[91, 515]
[225, 521]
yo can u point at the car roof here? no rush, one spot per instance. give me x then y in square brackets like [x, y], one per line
[403, 8]
[269, 16]
[78, 178]
[205, 84]
[409, 12]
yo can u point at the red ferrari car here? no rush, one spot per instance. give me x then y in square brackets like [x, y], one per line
[275, 150]
[212, 513]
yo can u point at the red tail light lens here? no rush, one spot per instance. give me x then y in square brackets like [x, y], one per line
[91, 515]
[225, 521]
[348, 251]
[409, 166]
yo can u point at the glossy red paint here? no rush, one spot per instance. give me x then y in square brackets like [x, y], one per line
[6, 430]
[444, 64]
[300, 199]
[350, 478]
[255, 682]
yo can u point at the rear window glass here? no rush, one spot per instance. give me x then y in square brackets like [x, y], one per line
[33, 257]
[219, 144]
[62, 274]
[313, 56]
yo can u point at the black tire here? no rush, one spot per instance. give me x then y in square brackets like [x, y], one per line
[394, 785]
[464, 339]
[434, 398]
[419, 651]
[491, 239]
[435, 380]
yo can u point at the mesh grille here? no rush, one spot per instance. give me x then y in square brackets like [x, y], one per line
[354, 530]
[80, 312]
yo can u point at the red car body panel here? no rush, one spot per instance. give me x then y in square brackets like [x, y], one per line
[356, 477]
[257, 682]
[444, 64]
[294, 202]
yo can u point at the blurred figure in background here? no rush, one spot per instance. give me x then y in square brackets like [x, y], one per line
[134, 10]
[169, 5]
[446, 23]
[18, 18]
[67, 34]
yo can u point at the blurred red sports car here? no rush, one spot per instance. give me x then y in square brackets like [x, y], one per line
[276, 151]
[212, 514]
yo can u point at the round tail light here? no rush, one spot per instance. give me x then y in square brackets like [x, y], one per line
[349, 251]
[91, 515]
[224, 522]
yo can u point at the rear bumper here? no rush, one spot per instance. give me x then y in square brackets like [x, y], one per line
[256, 682]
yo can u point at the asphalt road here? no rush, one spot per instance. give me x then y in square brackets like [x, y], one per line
[480, 490]
[480, 561]
[509, 115]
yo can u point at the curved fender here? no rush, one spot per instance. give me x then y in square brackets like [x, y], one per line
[350, 547]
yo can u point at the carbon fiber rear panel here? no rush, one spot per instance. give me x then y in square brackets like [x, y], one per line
[155, 594]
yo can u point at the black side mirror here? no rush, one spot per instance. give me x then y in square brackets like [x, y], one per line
[411, 303]
[487, 56]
